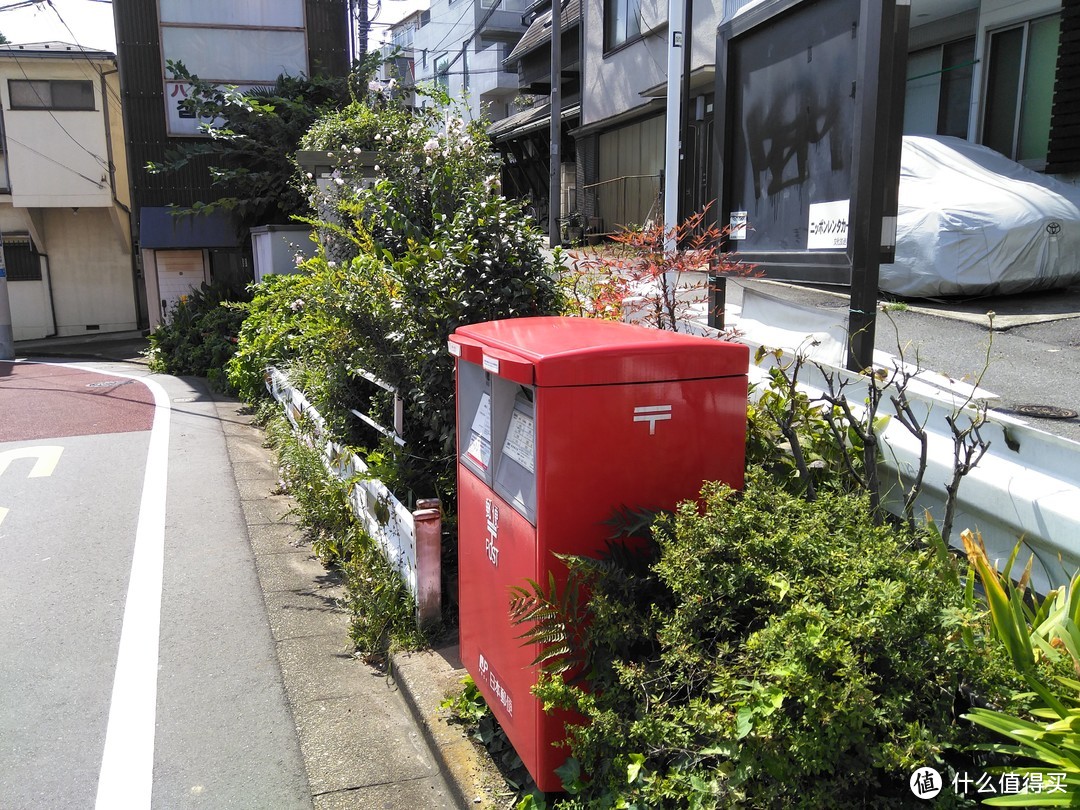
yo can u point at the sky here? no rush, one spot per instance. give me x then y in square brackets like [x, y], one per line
[91, 21]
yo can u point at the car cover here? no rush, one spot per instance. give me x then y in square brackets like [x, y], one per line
[973, 222]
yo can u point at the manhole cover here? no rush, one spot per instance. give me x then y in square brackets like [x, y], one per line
[108, 383]
[1045, 412]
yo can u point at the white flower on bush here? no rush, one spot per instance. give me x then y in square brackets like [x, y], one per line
[297, 305]
[431, 145]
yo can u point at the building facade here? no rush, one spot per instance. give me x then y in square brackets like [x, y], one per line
[247, 43]
[990, 71]
[461, 46]
[64, 192]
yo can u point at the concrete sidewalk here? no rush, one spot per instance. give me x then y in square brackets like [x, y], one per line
[369, 737]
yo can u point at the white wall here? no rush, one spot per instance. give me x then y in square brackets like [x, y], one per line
[56, 157]
[91, 272]
[30, 314]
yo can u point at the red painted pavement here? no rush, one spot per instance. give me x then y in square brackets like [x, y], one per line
[45, 401]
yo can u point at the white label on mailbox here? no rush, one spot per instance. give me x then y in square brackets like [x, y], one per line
[519, 444]
[479, 449]
[652, 414]
[491, 541]
[491, 364]
[487, 674]
[454, 348]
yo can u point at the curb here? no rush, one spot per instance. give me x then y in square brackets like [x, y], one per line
[425, 678]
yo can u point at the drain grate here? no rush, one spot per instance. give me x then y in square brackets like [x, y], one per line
[1045, 412]
[109, 383]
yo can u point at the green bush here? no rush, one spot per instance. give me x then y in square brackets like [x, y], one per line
[200, 335]
[431, 247]
[770, 651]
[382, 611]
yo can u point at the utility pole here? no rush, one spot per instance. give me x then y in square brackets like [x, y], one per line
[7, 336]
[686, 195]
[676, 20]
[555, 159]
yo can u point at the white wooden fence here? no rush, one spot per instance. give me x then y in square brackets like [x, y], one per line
[388, 521]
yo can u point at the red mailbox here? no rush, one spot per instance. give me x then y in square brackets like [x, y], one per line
[560, 421]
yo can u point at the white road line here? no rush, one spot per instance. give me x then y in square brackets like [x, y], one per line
[127, 765]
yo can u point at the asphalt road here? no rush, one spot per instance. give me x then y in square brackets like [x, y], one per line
[136, 662]
[1031, 356]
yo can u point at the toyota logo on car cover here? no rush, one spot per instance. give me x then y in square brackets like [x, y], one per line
[1053, 228]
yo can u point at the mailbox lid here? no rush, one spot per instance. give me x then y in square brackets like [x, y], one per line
[566, 351]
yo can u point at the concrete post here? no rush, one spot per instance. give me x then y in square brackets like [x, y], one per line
[427, 519]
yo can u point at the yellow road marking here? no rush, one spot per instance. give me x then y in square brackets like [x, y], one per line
[47, 456]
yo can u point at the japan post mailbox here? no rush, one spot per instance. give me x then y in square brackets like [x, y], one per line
[561, 421]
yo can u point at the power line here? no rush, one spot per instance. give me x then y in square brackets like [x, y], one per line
[101, 161]
[59, 16]
[23, 4]
[97, 183]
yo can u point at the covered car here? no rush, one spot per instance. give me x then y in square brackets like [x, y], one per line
[973, 222]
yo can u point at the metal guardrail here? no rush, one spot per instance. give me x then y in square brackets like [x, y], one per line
[1025, 488]
[395, 435]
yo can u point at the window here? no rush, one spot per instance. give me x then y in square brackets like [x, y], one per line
[442, 75]
[622, 22]
[938, 97]
[22, 260]
[50, 94]
[1020, 89]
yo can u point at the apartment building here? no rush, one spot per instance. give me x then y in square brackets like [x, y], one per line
[64, 200]
[461, 46]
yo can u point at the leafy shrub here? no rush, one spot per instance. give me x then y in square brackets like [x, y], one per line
[431, 247]
[773, 652]
[382, 609]
[294, 322]
[1036, 631]
[200, 335]
[652, 274]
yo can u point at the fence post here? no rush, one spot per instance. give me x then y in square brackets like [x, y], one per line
[427, 519]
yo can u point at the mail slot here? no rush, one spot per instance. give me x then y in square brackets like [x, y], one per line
[560, 422]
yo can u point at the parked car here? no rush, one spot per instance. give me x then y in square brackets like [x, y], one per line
[973, 222]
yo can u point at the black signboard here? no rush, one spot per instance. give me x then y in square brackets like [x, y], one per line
[809, 100]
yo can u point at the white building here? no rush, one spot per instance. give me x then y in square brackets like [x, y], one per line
[460, 45]
[64, 201]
